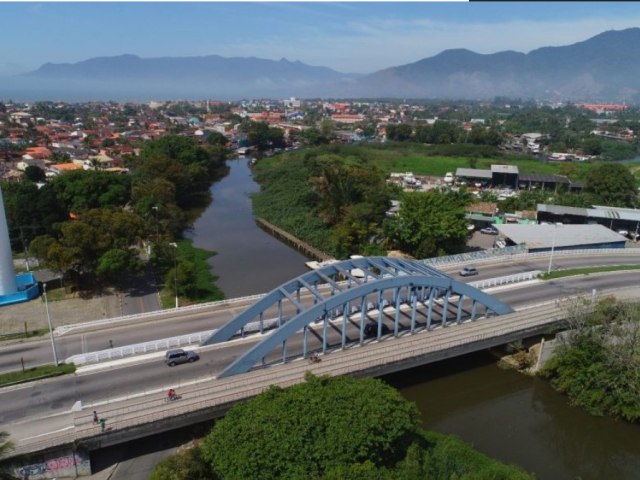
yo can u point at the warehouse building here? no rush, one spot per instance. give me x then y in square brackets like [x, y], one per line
[540, 238]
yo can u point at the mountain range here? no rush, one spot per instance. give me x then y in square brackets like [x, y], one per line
[605, 67]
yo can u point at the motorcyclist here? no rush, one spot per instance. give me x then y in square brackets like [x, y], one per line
[171, 394]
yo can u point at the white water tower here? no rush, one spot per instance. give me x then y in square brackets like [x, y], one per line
[7, 272]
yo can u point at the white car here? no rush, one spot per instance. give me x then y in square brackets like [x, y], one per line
[448, 178]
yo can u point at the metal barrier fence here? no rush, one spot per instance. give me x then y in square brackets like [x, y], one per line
[156, 345]
[62, 329]
[507, 279]
[498, 255]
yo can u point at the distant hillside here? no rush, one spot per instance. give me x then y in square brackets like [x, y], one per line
[210, 74]
[605, 67]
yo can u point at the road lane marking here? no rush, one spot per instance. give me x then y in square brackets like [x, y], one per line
[70, 427]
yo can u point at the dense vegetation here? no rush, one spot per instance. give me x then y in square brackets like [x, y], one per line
[90, 226]
[598, 365]
[335, 197]
[330, 428]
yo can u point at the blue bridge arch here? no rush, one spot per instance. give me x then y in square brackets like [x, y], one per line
[337, 292]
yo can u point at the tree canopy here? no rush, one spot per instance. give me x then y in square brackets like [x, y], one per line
[601, 379]
[614, 184]
[310, 428]
[429, 224]
[330, 428]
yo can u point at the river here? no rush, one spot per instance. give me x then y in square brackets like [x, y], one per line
[248, 260]
[509, 416]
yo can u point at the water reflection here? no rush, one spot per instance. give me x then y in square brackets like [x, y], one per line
[520, 420]
[249, 261]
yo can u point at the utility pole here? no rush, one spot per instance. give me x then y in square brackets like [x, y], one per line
[175, 270]
[46, 306]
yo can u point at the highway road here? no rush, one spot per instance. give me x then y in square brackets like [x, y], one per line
[93, 386]
[38, 352]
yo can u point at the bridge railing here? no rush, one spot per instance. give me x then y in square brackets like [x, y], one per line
[518, 252]
[157, 345]
[506, 280]
[62, 329]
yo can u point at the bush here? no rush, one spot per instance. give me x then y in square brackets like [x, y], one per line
[185, 465]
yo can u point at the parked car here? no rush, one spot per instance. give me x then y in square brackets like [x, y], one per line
[178, 356]
[468, 271]
[489, 231]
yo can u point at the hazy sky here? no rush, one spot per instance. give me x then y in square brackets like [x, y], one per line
[354, 37]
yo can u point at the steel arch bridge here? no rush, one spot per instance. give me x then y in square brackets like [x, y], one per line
[347, 294]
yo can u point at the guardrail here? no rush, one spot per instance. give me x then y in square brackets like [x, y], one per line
[62, 329]
[157, 345]
[505, 255]
[507, 279]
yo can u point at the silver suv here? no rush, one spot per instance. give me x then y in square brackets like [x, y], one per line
[178, 356]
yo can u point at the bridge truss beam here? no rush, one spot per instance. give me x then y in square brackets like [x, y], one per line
[374, 283]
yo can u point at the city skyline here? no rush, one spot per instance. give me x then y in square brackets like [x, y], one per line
[350, 37]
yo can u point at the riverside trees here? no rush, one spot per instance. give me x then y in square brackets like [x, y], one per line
[598, 364]
[114, 215]
[331, 428]
[336, 198]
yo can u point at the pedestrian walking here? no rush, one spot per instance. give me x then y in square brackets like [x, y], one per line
[95, 417]
[102, 424]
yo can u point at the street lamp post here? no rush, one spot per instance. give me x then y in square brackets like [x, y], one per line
[46, 307]
[553, 246]
[175, 270]
[155, 208]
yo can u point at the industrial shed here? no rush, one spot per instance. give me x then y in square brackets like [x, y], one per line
[613, 217]
[539, 238]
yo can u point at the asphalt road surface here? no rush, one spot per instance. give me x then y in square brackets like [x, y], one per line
[95, 385]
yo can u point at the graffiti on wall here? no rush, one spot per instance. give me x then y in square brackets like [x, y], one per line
[62, 466]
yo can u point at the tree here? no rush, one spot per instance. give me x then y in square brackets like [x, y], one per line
[115, 262]
[601, 379]
[310, 428]
[187, 465]
[34, 174]
[592, 145]
[399, 133]
[181, 161]
[312, 137]
[429, 224]
[81, 190]
[216, 138]
[613, 184]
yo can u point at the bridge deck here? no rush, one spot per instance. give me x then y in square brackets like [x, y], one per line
[150, 413]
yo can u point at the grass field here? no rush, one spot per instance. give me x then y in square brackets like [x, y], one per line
[421, 160]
